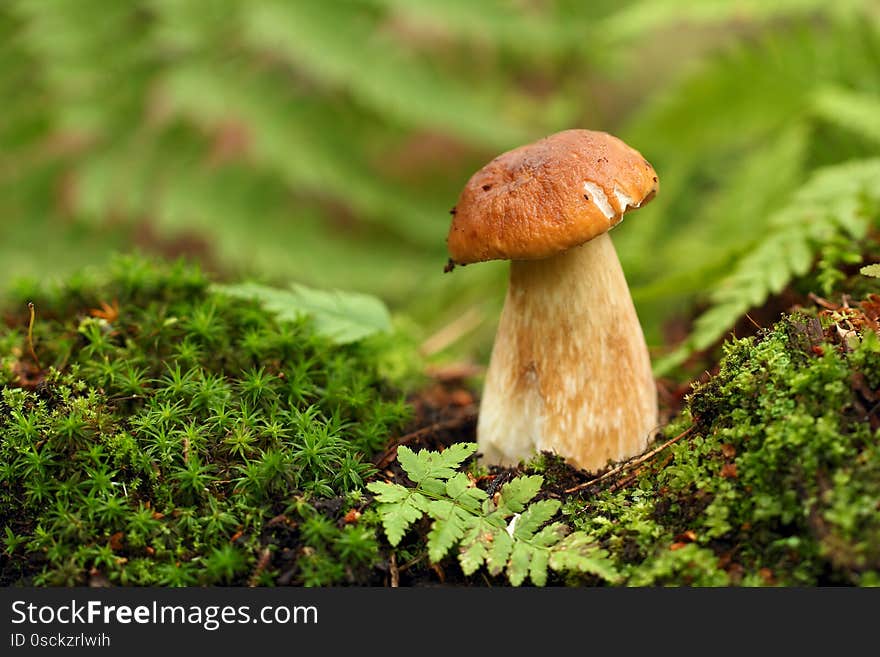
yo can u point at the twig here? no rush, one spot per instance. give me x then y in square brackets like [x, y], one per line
[395, 573]
[30, 336]
[754, 323]
[412, 562]
[262, 562]
[626, 481]
[127, 398]
[819, 301]
[629, 464]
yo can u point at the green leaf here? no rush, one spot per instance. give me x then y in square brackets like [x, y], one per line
[550, 535]
[502, 545]
[579, 552]
[838, 200]
[398, 516]
[518, 565]
[388, 493]
[414, 465]
[343, 317]
[475, 545]
[446, 530]
[434, 465]
[854, 111]
[457, 485]
[512, 537]
[464, 492]
[534, 517]
[538, 567]
[517, 493]
[871, 270]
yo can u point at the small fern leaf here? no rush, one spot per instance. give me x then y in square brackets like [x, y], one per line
[399, 508]
[538, 567]
[517, 493]
[550, 535]
[534, 517]
[462, 489]
[871, 270]
[434, 465]
[855, 111]
[579, 552]
[519, 562]
[499, 552]
[343, 317]
[453, 456]
[415, 465]
[388, 493]
[447, 529]
[396, 520]
[475, 544]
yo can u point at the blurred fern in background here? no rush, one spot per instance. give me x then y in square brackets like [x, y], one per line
[324, 142]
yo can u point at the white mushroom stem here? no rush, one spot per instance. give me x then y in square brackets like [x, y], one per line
[570, 371]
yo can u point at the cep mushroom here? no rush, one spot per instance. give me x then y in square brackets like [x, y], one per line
[570, 371]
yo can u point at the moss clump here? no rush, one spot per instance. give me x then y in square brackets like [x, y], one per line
[175, 436]
[777, 480]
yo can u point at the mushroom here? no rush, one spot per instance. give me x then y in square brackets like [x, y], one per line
[570, 371]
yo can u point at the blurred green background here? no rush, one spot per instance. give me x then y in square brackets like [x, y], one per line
[324, 141]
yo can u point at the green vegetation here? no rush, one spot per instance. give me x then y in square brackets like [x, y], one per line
[507, 532]
[170, 425]
[771, 477]
[754, 148]
[776, 481]
[163, 425]
[157, 429]
[827, 220]
[325, 142]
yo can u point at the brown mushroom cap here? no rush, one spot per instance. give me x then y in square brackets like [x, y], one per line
[546, 197]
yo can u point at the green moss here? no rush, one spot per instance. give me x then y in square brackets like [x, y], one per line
[169, 428]
[777, 480]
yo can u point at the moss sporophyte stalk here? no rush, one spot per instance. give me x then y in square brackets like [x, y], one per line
[173, 434]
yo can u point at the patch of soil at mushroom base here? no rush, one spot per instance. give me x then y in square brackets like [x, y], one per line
[443, 414]
[446, 413]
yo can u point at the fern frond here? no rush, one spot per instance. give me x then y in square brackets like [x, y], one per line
[842, 199]
[737, 210]
[321, 38]
[577, 552]
[517, 493]
[341, 317]
[730, 143]
[508, 534]
[536, 30]
[858, 112]
[426, 465]
[646, 16]
[401, 507]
